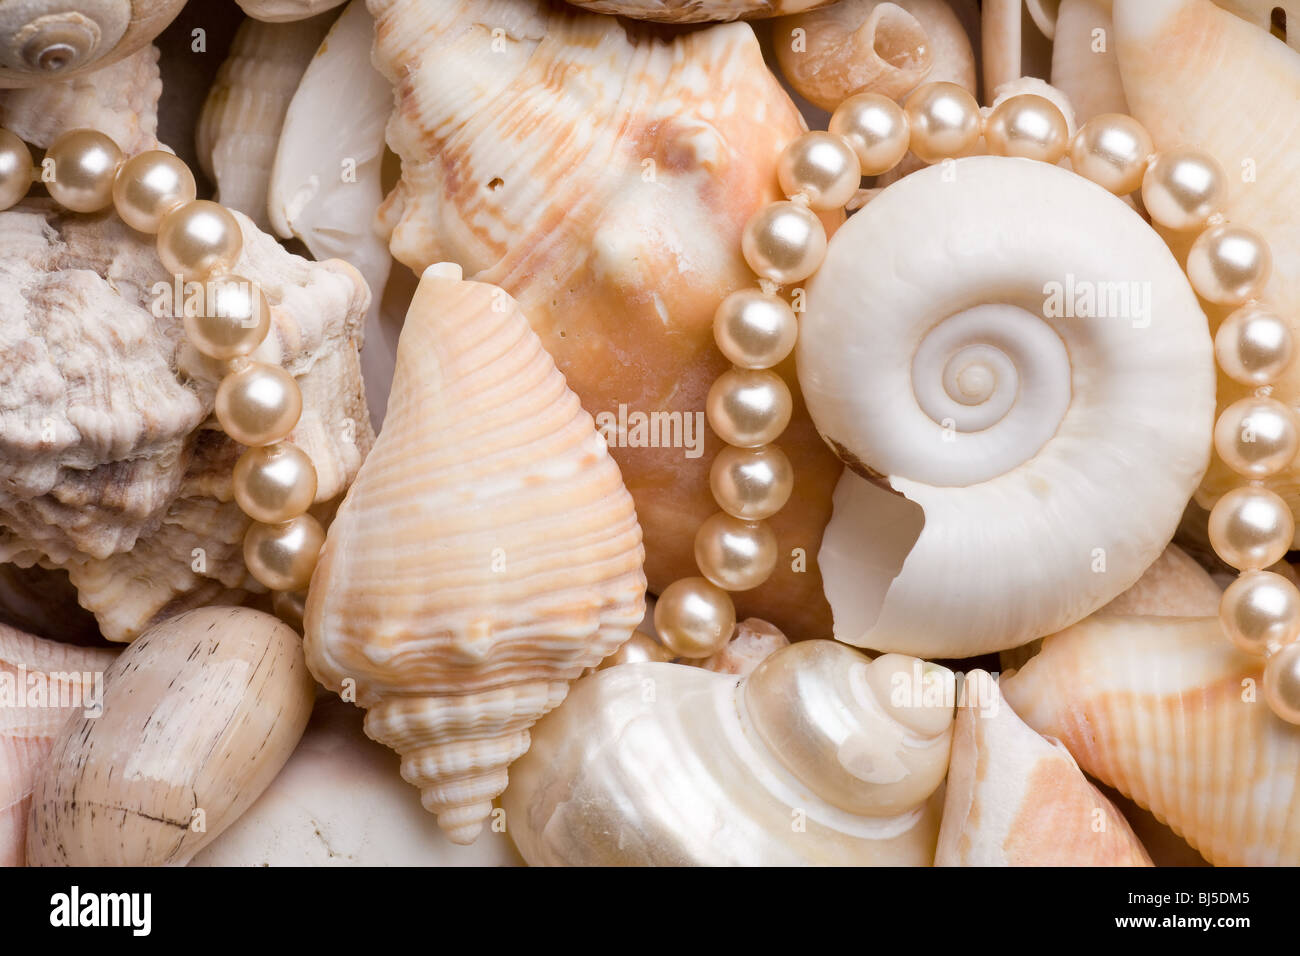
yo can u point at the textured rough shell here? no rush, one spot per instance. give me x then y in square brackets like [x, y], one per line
[487, 553]
[199, 715]
[1016, 799]
[1171, 714]
[614, 218]
[753, 641]
[283, 11]
[698, 11]
[970, 528]
[42, 683]
[111, 466]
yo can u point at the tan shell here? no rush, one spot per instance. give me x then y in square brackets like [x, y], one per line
[697, 11]
[284, 11]
[42, 683]
[614, 217]
[112, 467]
[487, 553]
[1171, 714]
[199, 715]
[1016, 799]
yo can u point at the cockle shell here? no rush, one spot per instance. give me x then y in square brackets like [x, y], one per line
[199, 715]
[1016, 799]
[1014, 464]
[111, 466]
[239, 127]
[614, 217]
[1170, 713]
[53, 40]
[697, 11]
[487, 553]
[818, 757]
[42, 683]
[284, 11]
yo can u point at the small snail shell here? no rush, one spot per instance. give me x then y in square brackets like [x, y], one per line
[1025, 410]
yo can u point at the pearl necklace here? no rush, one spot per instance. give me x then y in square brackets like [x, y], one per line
[257, 404]
[784, 243]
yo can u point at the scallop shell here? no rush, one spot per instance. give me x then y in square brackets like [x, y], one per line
[698, 11]
[614, 217]
[1169, 712]
[1014, 465]
[818, 757]
[42, 683]
[486, 554]
[1016, 799]
[199, 715]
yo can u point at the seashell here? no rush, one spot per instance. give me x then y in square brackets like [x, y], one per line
[698, 11]
[1084, 68]
[42, 683]
[814, 758]
[1195, 73]
[111, 469]
[487, 553]
[1281, 19]
[1016, 799]
[239, 127]
[1014, 36]
[200, 714]
[752, 643]
[339, 802]
[284, 11]
[52, 40]
[1012, 469]
[1166, 711]
[1163, 845]
[614, 218]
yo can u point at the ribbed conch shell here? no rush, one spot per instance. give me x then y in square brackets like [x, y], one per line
[110, 464]
[1171, 714]
[198, 716]
[284, 11]
[818, 757]
[239, 128]
[1013, 465]
[1014, 798]
[697, 11]
[44, 40]
[42, 683]
[614, 217]
[487, 553]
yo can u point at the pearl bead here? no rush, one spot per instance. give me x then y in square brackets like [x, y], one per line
[734, 554]
[150, 185]
[1183, 187]
[1253, 346]
[283, 556]
[784, 242]
[15, 169]
[258, 404]
[1256, 437]
[234, 318]
[1111, 149]
[751, 483]
[875, 127]
[275, 483]
[694, 618]
[749, 407]
[1251, 528]
[1282, 683]
[1229, 264]
[944, 119]
[85, 162]
[1029, 126]
[637, 649]
[198, 239]
[821, 166]
[754, 330]
[1260, 611]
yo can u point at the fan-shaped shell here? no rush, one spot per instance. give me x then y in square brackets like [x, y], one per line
[487, 553]
[1018, 456]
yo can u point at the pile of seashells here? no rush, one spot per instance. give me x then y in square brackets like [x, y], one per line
[501, 244]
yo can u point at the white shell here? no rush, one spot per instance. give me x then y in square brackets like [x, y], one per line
[284, 11]
[697, 11]
[1082, 68]
[975, 527]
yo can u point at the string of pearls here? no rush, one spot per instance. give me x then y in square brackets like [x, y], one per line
[257, 404]
[784, 243]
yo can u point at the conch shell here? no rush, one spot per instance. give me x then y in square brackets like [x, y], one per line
[614, 217]
[199, 716]
[697, 11]
[1023, 431]
[1016, 799]
[487, 553]
[1168, 712]
[818, 757]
